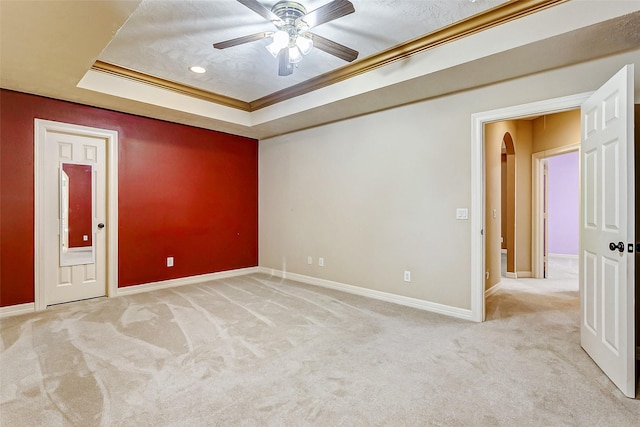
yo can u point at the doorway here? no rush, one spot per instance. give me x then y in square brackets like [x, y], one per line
[478, 217]
[76, 212]
[607, 216]
[555, 216]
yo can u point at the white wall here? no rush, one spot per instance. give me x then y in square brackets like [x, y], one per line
[376, 195]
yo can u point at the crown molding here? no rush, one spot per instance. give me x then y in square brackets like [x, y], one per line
[116, 70]
[498, 15]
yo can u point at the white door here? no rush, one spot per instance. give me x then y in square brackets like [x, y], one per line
[607, 228]
[73, 273]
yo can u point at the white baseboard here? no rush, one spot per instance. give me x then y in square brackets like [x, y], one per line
[492, 290]
[519, 275]
[460, 313]
[567, 256]
[171, 283]
[14, 310]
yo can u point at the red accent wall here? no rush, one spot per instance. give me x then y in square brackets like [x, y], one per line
[80, 213]
[184, 192]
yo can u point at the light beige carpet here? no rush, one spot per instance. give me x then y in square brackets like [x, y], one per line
[260, 351]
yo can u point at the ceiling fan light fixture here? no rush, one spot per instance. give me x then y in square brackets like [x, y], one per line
[294, 55]
[273, 49]
[305, 44]
[280, 39]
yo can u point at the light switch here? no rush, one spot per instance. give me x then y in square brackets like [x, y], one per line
[462, 213]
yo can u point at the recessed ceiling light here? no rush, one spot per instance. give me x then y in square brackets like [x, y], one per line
[197, 69]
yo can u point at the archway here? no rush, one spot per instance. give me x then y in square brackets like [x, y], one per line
[508, 224]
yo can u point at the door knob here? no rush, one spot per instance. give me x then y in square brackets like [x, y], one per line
[619, 246]
[101, 226]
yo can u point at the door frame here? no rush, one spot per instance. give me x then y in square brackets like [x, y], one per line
[41, 128]
[478, 191]
[537, 202]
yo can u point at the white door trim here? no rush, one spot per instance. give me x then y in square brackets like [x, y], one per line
[537, 229]
[41, 127]
[478, 120]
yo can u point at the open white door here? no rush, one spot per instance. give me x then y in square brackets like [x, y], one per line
[607, 216]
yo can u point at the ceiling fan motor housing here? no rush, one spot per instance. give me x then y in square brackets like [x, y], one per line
[289, 12]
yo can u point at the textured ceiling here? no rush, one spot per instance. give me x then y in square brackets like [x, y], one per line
[164, 38]
[50, 48]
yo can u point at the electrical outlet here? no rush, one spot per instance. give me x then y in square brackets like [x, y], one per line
[169, 261]
[85, 238]
[407, 276]
[321, 262]
[309, 260]
[486, 275]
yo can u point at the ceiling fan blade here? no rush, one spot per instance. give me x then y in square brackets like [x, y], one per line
[333, 48]
[240, 40]
[261, 10]
[330, 11]
[285, 68]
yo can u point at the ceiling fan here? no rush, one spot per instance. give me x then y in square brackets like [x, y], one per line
[292, 38]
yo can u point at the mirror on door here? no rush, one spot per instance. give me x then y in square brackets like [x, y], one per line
[76, 214]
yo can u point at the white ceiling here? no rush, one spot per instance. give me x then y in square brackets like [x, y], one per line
[48, 48]
[164, 38]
